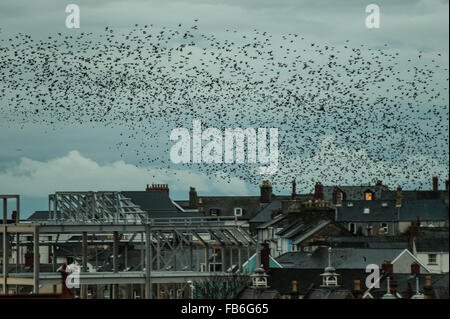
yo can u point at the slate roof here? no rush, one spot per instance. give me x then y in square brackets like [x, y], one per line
[327, 293]
[354, 192]
[152, 201]
[40, 215]
[308, 279]
[432, 240]
[426, 210]
[251, 205]
[158, 204]
[265, 215]
[343, 258]
[403, 280]
[399, 242]
[377, 213]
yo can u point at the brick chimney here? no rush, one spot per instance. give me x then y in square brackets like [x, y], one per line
[294, 190]
[399, 197]
[157, 188]
[357, 286]
[435, 184]
[318, 191]
[414, 229]
[266, 193]
[428, 290]
[387, 267]
[193, 198]
[415, 269]
[294, 287]
[338, 197]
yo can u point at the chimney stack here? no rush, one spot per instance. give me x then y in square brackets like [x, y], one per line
[294, 190]
[266, 193]
[338, 197]
[399, 197]
[157, 187]
[387, 267]
[193, 198]
[415, 269]
[357, 286]
[318, 191]
[294, 286]
[435, 184]
[428, 290]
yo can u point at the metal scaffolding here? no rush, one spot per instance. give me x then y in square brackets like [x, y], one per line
[171, 250]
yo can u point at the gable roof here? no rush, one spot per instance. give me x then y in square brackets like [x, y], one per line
[432, 240]
[250, 205]
[426, 210]
[354, 211]
[341, 258]
[265, 215]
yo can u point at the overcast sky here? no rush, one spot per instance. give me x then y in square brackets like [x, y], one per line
[36, 160]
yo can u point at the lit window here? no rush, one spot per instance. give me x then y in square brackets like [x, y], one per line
[368, 196]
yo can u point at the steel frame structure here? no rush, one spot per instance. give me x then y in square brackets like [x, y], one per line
[160, 241]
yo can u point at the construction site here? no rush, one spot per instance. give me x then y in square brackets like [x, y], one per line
[101, 245]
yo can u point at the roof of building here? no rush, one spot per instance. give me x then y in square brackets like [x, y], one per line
[432, 240]
[40, 215]
[397, 242]
[367, 211]
[341, 258]
[225, 205]
[265, 215]
[426, 210]
[329, 293]
[404, 280]
[354, 192]
[308, 279]
[152, 201]
[250, 293]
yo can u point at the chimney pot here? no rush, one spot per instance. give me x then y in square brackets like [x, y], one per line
[415, 269]
[294, 286]
[399, 197]
[357, 285]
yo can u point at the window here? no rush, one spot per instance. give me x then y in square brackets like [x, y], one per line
[366, 210]
[352, 228]
[238, 212]
[349, 204]
[214, 212]
[432, 259]
[385, 227]
[369, 195]
[384, 204]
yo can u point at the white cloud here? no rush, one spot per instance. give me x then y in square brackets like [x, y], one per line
[75, 172]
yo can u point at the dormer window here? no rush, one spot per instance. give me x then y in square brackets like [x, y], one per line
[238, 211]
[214, 212]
